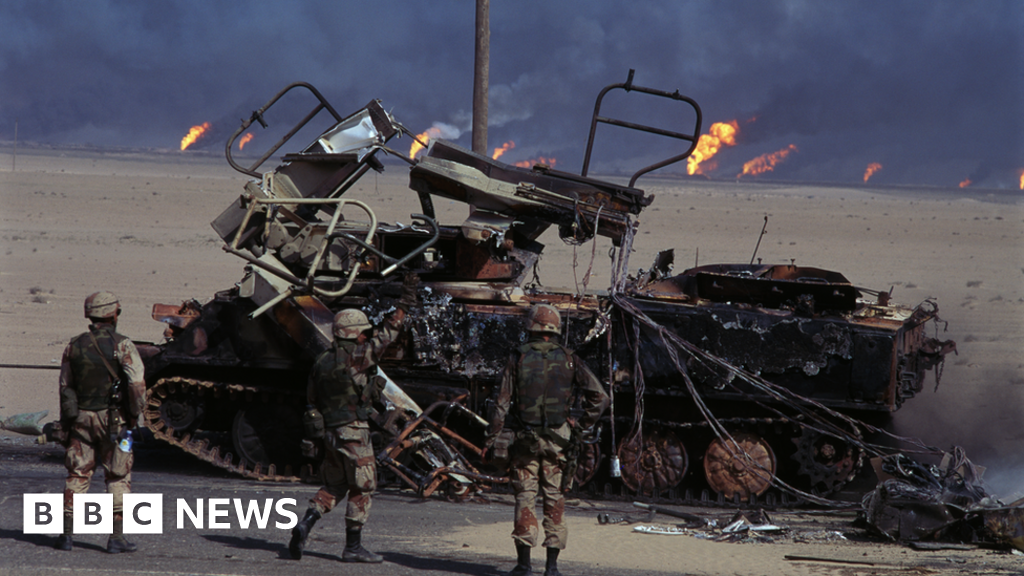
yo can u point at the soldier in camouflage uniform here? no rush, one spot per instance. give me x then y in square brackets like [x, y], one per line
[343, 386]
[537, 388]
[89, 368]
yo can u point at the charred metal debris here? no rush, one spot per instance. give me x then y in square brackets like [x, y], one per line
[947, 502]
[732, 381]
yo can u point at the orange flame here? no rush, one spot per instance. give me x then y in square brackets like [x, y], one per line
[539, 160]
[872, 168]
[720, 134]
[194, 133]
[432, 132]
[504, 148]
[967, 182]
[766, 162]
[1022, 178]
[245, 140]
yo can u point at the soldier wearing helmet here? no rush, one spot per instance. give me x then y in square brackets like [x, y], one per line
[539, 384]
[102, 391]
[343, 385]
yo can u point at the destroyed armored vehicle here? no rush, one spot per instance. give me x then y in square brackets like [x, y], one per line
[730, 381]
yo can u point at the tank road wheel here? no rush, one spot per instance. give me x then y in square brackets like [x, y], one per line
[827, 461]
[655, 461]
[588, 464]
[181, 414]
[267, 434]
[729, 472]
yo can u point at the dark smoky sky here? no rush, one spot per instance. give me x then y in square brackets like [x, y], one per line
[932, 90]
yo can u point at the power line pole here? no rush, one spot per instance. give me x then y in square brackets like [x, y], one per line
[14, 157]
[481, 72]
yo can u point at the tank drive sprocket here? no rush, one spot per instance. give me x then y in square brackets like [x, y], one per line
[827, 462]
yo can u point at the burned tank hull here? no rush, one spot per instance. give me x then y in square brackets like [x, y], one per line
[729, 380]
[805, 329]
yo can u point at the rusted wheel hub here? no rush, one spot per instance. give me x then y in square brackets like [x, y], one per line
[655, 461]
[744, 465]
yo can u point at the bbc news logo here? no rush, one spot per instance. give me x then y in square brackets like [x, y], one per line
[144, 513]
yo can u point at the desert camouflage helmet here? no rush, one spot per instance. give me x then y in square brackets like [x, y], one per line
[102, 304]
[349, 324]
[545, 318]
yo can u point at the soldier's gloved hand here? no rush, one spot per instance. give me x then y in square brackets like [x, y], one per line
[59, 431]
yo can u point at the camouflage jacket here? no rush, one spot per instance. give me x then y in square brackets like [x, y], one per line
[324, 389]
[82, 370]
[593, 397]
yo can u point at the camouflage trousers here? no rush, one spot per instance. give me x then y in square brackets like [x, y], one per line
[89, 444]
[537, 465]
[348, 470]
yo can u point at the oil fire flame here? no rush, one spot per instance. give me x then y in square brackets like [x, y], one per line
[432, 132]
[437, 130]
[766, 162]
[501, 150]
[967, 182]
[540, 160]
[245, 140]
[1022, 178]
[720, 134]
[194, 133]
[872, 168]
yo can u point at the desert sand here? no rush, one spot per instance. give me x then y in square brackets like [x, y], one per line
[73, 221]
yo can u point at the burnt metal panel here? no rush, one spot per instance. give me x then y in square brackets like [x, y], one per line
[568, 185]
[813, 357]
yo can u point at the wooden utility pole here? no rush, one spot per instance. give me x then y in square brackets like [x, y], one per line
[14, 157]
[481, 72]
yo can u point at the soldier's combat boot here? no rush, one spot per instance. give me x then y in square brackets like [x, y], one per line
[117, 543]
[301, 532]
[551, 568]
[523, 567]
[64, 540]
[354, 551]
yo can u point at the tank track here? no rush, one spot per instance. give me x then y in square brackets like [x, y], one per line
[199, 443]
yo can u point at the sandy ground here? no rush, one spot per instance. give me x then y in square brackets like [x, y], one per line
[433, 537]
[76, 221]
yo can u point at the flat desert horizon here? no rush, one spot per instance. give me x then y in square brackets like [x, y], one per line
[77, 220]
